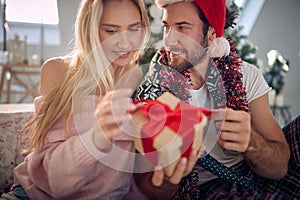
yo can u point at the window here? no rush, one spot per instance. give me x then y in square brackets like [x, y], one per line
[32, 11]
[26, 17]
[250, 12]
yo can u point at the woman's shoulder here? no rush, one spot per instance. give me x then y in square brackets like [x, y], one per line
[55, 66]
[52, 72]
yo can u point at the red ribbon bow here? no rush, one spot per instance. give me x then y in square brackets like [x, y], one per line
[181, 120]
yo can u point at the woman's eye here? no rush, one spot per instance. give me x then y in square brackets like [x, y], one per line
[111, 31]
[134, 30]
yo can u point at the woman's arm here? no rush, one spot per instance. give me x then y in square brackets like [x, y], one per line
[69, 159]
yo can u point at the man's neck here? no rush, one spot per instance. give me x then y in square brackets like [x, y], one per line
[198, 73]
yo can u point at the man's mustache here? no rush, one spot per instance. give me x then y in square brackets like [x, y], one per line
[176, 49]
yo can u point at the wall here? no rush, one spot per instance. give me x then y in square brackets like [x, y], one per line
[278, 27]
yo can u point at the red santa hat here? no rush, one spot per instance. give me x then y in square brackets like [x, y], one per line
[215, 13]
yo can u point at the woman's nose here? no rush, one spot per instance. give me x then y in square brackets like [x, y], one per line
[123, 41]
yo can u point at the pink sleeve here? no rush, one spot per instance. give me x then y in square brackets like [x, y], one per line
[66, 160]
[71, 158]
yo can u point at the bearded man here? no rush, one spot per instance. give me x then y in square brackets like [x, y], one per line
[200, 66]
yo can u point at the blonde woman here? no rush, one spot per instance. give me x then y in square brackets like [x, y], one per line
[79, 149]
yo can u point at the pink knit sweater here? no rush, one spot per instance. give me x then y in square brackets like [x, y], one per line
[71, 167]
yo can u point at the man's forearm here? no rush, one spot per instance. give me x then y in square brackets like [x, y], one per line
[267, 158]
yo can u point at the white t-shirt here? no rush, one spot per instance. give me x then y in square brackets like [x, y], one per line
[256, 86]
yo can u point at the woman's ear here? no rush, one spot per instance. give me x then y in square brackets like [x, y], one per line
[211, 34]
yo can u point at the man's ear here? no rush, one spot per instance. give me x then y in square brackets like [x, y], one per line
[211, 34]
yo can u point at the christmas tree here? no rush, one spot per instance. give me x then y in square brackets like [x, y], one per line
[154, 14]
[245, 49]
[278, 67]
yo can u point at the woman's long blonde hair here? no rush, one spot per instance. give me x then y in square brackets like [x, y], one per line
[88, 70]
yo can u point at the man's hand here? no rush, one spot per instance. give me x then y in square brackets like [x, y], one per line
[183, 168]
[234, 131]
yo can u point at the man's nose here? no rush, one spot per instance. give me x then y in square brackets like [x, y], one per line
[171, 37]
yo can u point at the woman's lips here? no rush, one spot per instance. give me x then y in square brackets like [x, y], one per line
[122, 54]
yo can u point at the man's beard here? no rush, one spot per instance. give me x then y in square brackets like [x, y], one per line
[183, 64]
[179, 64]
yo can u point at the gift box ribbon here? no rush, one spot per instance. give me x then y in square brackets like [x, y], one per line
[181, 120]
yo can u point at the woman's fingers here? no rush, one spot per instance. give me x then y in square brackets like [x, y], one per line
[113, 110]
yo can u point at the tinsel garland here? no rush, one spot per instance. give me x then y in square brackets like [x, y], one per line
[232, 79]
[178, 83]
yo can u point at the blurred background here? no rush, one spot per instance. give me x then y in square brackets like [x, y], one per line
[267, 35]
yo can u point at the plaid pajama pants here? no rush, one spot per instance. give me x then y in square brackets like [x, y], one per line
[286, 188]
[290, 184]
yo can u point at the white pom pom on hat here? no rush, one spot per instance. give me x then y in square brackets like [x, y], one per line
[219, 47]
[215, 13]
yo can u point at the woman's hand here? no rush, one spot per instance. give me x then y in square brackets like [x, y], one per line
[110, 113]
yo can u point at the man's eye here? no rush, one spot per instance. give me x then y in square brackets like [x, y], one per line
[183, 27]
[166, 27]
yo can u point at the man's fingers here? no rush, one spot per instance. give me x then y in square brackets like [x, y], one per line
[179, 172]
[228, 114]
[184, 167]
[237, 115]
[218, 115]
[194, 156]
[191, 162]
[158, 176]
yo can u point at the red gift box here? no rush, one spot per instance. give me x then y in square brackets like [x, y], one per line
[167, 129]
